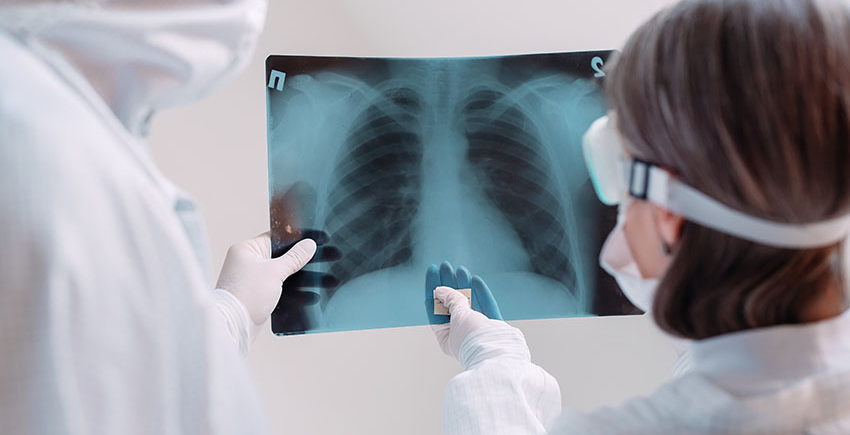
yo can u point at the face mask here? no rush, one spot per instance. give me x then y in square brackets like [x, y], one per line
[618, 179]
[616, 259]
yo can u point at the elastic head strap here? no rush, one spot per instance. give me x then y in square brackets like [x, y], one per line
[647, 181]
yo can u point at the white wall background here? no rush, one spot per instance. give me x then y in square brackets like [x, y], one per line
[391, 381]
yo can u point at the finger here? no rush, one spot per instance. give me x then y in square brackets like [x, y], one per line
[318, 236]
[463, 277]
[447, 275]
[485, 300]
[306, 278]
[326, 253]
[432, 281]
[453, 300]
[295, 258]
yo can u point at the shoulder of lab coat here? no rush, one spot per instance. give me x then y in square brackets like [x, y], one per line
[788, 379]
[507, 394]
[106, 321]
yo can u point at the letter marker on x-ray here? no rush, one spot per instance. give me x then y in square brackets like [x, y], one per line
[441, 309]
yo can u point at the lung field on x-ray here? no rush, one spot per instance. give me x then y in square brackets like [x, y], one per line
[377, 182]
[506, 150]
[409, 162]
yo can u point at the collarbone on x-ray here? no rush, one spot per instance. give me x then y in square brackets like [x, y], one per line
[409, 162]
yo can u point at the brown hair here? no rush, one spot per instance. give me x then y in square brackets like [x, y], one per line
[747, 101]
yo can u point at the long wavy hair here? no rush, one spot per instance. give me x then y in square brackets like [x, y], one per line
[749, 102]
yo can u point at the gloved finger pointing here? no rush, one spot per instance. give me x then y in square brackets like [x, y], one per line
[295, 258]
[454, 300]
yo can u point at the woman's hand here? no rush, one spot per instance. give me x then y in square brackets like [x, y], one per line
[463, 320]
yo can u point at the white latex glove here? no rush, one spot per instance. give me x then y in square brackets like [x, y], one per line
[249, 285]
[464, 320]
[452, 331]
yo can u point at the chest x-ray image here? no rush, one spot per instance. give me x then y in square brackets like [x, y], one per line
[407, 162]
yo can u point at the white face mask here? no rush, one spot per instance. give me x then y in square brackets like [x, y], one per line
[616, 259]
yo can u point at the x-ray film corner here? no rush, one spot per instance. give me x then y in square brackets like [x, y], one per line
[408, 162]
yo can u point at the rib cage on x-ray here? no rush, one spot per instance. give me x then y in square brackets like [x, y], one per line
[407, 162]
[375, 192]
[377, 184]
[506, 151]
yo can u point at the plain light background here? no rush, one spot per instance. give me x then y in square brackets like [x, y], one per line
[391, 381]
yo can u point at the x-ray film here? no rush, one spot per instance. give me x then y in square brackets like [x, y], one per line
[395, 164]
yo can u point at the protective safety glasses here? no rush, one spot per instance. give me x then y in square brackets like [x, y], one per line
[615, 176]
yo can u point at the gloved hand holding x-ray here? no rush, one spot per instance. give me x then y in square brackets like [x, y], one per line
[466, 316]
[407, 162]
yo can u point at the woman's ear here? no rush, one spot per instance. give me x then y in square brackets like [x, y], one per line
[669, 225]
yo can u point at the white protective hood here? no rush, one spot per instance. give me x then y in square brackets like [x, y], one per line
[140, 56]
[108, 321]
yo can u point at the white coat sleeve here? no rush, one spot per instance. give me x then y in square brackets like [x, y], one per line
[106, 321]
[500, 391]
[234, 314]
[236, 319]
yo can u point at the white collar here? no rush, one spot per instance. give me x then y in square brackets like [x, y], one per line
[766, 359]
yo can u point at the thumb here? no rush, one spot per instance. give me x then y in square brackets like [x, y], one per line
[295, 258]
[454, 300]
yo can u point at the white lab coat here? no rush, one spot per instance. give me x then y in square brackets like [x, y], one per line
[778, 380]
[107, 323]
